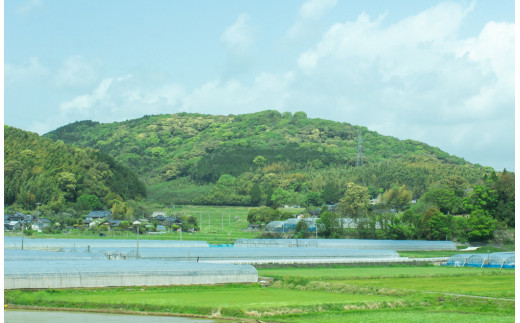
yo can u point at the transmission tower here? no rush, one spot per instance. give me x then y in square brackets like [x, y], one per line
[359, 152]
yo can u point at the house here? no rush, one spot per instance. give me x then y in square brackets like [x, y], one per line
[94, 215]
[111, 223]
[155, 214]
[18, 216]
[169, 221]
[159, 217]
[41, 224]
[114, 223]
[253, 227]
[12, 226]
[89, 222]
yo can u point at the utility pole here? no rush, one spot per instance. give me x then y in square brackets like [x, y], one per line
[38, 216]
[137, 254]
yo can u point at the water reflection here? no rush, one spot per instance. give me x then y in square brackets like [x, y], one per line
[13, 316]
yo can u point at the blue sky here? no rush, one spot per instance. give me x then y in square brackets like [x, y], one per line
[434, 71]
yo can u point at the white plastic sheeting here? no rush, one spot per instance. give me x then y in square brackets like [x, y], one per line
[104, 273]
[223, 254]
[502, 260]
[17, 254]
[56, 244]
[398, 245]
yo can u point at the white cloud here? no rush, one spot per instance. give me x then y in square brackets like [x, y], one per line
[29, 6]
[309, 12]
[100, 96]
[314, 9]
[416, 79]
[267, 91]
[411, 79]
[238, 37]
[168, 95]
[31, 71]
[75, 72]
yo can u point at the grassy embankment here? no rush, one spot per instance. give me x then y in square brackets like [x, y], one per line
[332, 294]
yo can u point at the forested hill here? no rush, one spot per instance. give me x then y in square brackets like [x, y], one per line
[267, 151]
[58, 175]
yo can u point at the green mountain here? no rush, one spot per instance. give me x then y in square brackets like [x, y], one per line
[255, 158]
[58, 175]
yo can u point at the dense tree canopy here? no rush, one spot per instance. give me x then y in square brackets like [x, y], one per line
[58, 175]
[175, 152]
[260, 159]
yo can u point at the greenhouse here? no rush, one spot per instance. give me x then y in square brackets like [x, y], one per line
[17, 254]
[398, 245]
[502, 260]
[57, 244]
[458, 260]
[231, 254]
[289, 225]
[477, 260]
[483, 260]
[104, 273]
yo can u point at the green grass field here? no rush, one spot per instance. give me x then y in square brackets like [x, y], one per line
[329, 294]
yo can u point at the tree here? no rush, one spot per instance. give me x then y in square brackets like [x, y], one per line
[312, 199]
[505, 188]
[67, 183]
[443, 198]
[280, 196]
[89, 202]
[226, 180]
[256, 195]
[330, 225]
[480, 226]
[190, 223]
[436, 226]
[262, 215]
[397, 198]
[355, 201]
[482, 198]
[302, 230]
[457, 184]
[331, 193]
[259, 161]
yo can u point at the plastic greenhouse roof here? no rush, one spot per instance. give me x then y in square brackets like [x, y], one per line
[47, 244]
[104, 267]
[189, 254]
[17, 254]
[458, 259]
[398, 245]
[500, 258]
